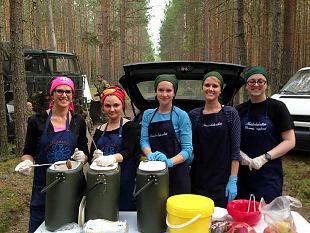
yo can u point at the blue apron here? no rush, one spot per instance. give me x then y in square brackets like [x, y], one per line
[52, 147]
[111, 144]
[162, 138]
[212, 157]
[258, 136]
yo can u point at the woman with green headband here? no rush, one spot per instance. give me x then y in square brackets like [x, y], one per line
[216, 141]
[266, 135]
[166, 134]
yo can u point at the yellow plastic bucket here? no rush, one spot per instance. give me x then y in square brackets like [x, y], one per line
[189, 213]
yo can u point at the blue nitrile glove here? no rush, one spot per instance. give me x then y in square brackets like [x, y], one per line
[162, 157]
[151, 156]
[231, 188]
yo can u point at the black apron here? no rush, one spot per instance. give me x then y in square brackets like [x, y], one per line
[162, 138]
[111, 144]
[211, 166]
[52, 147]
[258, 136]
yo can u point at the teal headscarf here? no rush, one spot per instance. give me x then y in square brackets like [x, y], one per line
[169, 78]
[255, 70]
[216, 75]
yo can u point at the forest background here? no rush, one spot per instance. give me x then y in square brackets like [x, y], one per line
[106, 34]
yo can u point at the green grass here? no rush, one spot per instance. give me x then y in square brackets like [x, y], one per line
[297, 180]
[15, 191]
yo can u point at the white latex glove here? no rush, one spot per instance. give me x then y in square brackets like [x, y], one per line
[245, 159]
[258, 162]
[24, 167]
[105, 160]
[78, 155]
[97, 153]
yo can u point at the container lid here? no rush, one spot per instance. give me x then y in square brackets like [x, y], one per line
[151, 166]
[62, 166]
[189, 205]
[95, 167]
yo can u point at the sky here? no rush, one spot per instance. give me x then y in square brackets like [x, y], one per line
[156, 15]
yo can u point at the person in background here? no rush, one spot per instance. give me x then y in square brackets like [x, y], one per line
[53, 135]
[216, 144]
[100, 85]
[29, 109]
[266, 135]
[166, 134]
[117, 141]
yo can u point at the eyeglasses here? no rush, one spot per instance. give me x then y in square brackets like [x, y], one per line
[260, 82]
[61, 92]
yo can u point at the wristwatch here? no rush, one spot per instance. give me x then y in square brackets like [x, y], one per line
[268, 157]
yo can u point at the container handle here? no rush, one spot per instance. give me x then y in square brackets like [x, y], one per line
[152, 179]
[59, 178]
[183, 224]
[100, 180]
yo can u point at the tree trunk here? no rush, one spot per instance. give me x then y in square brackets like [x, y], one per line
[3, 124]
[122, 33]
[51, 28]
[37, 26]
[241, 46]
[275, 41]
[288, 40]
[105, 58]
[18, 72]
[70, 26]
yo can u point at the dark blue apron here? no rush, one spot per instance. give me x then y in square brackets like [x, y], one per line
[162, 138]
[52, 147]
[211, 166]
[258, 136]
[111, 144]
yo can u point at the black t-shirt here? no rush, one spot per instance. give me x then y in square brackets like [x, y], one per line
[36, 124]
[276, 111]
[130, 143]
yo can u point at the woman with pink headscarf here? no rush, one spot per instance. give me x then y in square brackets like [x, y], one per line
[52, 135]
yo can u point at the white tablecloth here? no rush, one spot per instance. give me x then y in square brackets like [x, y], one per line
[131, 217]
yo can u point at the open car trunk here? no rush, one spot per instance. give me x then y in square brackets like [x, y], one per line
[138, 81]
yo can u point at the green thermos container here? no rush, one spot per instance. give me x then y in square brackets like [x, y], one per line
[152, 191]
[102, 195]
[64, 190]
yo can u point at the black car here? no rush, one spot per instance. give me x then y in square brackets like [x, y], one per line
[138, 81]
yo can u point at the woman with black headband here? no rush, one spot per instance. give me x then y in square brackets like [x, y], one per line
[267, 134]
[166, 134]
[216, 141]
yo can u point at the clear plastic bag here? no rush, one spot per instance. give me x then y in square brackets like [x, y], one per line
[277, 214]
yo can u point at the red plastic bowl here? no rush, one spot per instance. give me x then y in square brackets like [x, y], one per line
[238, 210]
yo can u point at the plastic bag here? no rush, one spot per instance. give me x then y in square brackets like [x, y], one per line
[277, 214]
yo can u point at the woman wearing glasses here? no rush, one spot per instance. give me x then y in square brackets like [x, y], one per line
[266, 135]
[216, 144]
[52, 135]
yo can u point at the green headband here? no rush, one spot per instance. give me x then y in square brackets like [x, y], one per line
[255, 70]
[169, 78]
[216, 75]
